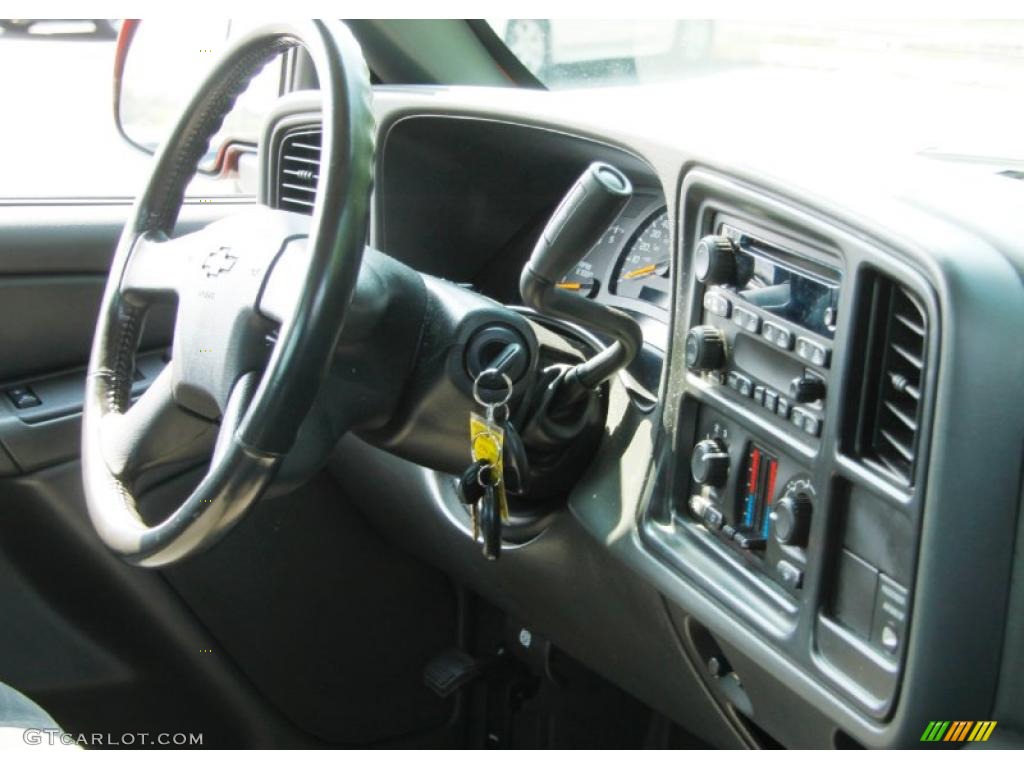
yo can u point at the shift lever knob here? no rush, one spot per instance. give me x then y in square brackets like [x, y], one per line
[585, 212]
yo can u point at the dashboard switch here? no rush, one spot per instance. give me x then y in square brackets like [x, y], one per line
[717, 304]
[713, 517]
[796, 418]
[811, 424]
[812, 352]
[783, 406]
[740, 383]
[707, 512]
[749, 540]
[23, 397]
[759, 394]
[747, 320]
[890, 615]
[705, 348]
[789, 574]
[777, 335]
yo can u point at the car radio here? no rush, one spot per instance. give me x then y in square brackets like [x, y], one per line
[768, 324]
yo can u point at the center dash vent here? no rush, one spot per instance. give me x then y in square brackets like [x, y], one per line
[298, 170]
[889, 430]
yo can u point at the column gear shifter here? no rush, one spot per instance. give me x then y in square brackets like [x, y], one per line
[560, 425]
[589, 208]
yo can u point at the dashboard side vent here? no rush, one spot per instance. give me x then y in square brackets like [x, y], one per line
[298, 170]
[892, 401]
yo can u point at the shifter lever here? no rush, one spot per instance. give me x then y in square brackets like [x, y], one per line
[588, 209]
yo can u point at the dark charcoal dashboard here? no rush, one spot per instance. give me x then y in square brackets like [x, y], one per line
[791, 546]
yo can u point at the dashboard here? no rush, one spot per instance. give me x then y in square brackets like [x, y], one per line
[771, 553]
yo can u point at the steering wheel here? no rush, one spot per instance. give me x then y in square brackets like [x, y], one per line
[262, 297]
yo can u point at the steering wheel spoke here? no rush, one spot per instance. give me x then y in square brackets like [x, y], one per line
[283, 286]
[153, 431]
[156, 265]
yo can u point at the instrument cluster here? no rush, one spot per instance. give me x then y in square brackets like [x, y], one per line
[630, 266]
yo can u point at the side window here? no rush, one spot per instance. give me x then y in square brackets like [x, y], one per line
[59, 134]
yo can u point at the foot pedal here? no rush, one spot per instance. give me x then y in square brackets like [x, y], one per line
[450, 671]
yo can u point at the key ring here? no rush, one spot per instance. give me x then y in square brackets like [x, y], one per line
[492, 372]
[491, 474]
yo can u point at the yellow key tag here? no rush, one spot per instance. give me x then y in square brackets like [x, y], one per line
[486, 441]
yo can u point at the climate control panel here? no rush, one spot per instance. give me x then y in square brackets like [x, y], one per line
[756, 502]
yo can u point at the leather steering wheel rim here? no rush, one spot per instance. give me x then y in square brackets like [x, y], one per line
[230, 273]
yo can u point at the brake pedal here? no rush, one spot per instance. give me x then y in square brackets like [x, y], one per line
[451, 671]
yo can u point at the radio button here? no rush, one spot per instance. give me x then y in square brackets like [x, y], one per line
[747, 320]
[771, 399]
[796, 418]
[783, 406]
[759, 394]
[740, 383]
[812, 352]
[810, 423]
[717, 304]
[777, 335]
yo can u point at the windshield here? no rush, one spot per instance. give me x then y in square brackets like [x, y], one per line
[949, 89]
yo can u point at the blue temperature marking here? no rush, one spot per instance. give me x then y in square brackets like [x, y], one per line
[767, 522]
[748, 513]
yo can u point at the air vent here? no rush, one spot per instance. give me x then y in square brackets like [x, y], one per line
[298, 170]
[897, 355]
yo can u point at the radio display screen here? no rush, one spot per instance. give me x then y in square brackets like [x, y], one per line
[766, 277]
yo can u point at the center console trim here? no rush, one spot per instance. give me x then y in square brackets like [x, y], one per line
[797, 627]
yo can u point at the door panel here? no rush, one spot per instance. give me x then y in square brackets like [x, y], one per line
[53, 266]
[303, 627]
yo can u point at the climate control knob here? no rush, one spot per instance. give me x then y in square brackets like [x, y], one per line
[791, 518]
[709, 463]
[714, 260]
[705, 348]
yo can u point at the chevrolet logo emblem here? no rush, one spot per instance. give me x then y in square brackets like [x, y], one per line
[219, 261]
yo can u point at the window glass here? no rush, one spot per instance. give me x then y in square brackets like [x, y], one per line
[945, 88]
[58, 131]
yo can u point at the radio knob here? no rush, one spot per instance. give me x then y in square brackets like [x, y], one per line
[709, 464]
[714, 260]
[806, 389]
[705, 348]
[791, 519]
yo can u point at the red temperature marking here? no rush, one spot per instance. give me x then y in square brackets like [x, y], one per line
[773, 467]
[755, 465]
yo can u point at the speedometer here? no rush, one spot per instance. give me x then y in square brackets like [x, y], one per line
[645, 268]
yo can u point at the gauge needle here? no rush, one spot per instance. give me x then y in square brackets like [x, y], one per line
[569, 286]
[649, 269]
